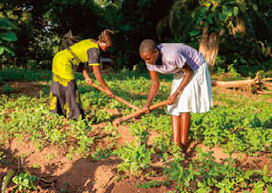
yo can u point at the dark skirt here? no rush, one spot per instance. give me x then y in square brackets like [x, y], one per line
[65, 98]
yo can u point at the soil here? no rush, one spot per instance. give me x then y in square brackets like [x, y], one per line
[57, 173]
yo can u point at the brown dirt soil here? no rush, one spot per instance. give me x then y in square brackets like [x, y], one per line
[27, 88]
[56, 173]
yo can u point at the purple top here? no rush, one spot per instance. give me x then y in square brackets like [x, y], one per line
[174, 56]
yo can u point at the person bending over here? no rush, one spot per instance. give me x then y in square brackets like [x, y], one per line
[64, 95]
[191, 87]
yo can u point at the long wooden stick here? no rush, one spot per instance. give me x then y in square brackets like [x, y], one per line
[115, 97]
[139, 112]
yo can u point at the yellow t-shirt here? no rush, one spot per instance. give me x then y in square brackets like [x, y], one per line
[85, 50]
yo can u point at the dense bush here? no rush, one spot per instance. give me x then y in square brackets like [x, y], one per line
[40, 28]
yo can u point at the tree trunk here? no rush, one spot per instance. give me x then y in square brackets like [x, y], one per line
[208, 47]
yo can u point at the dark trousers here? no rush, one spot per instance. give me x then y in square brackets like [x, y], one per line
[65, 98]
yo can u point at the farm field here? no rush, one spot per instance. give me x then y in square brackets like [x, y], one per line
[229, 150]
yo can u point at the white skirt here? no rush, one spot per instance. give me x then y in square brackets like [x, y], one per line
[196, 96]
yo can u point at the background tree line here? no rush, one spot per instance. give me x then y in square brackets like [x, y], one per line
[229, 33]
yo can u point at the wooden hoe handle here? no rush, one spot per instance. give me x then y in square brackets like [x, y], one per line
[139, 112]
[115, 97]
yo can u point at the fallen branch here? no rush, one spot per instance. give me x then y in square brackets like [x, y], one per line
[266, 79]
[238, 83]
[264, 92]
[115, 97]
[267, 84]
[139, 112]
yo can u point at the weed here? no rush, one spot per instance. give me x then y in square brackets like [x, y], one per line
[24, 181]
[135, 158]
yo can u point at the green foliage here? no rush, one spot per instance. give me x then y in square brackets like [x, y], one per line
[229, 75]
[140, 133]
[24, 181]
[15, 74]
[41, 25]
[229, 127]
[101, 154]
[40, 28]
[264, 179]
[235, 124]
[246, 61]
[100, 115]
[135, 158]
[135, 21]
[2, 156]
[149, 184]
[6, 36]
[238, 23]
[73, 17]
[191, 16]
[181, 21]
[204, 174]
[41, 125]
[6, 88]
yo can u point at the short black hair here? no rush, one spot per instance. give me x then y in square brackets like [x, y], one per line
[147, 45]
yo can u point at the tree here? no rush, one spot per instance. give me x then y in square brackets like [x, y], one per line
[31, 31]
[132, 21]
[207, 20]
[42, 23]
[141, 17]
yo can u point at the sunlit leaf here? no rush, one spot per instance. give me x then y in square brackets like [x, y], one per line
[10, 51]
[269, 189]
[2, 49]
[235, 10]
[8, 36]
[254, 6]
[194, 33]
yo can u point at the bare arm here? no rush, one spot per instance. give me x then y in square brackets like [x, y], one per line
[155, 84]
[100, 79]
[86, 76]
[85, 73]
[188, 71]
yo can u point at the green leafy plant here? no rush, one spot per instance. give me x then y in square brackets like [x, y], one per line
[6, 36]
[101, 154]
[150, 184]
[2, 156]
[135, 158]
[24, 181]
[264, 179]
[51, 156]
[140, 133]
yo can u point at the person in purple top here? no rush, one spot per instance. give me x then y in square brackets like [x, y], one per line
[191, 88]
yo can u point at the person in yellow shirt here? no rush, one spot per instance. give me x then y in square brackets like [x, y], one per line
[64, 95]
